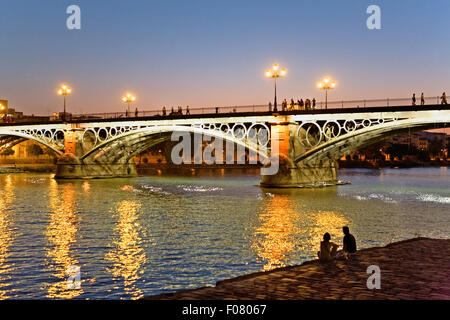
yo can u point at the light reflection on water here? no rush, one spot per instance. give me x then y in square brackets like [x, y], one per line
[274, 238]
[7, 236]
[128, 256]
[61, 234]
[135, 237]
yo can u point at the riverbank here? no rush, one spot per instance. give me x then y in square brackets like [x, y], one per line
[413, 269]
[24, 167]
[355, 164]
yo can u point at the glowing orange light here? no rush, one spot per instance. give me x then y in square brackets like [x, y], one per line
[128, 98]
[65, 90]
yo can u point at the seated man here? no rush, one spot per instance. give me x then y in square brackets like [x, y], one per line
[349, 241]
[327, 249]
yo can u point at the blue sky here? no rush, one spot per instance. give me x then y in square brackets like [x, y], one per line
[206, 53]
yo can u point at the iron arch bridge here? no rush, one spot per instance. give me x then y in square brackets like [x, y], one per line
[304, 146]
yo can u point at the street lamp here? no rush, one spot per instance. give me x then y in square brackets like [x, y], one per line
[64, 91]
[128, 99]
[275, 73]
[2, 108]
[326, 85]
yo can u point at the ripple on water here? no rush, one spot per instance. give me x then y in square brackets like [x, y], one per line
[374, 196]
[433, 198]
[191, 188]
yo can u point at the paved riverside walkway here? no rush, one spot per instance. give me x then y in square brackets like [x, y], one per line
[413, 269]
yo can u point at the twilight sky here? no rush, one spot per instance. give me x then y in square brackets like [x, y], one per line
[211, 52]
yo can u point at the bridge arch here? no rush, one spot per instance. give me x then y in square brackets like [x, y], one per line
[21, 136]
[126, 145]
[361, 138]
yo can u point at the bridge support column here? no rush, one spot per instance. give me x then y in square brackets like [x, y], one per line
[291, 175]
[69, 165]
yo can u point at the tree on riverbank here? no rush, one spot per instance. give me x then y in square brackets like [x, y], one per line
[436, 147]
[400, 151]
[7, 152]
[34, 150]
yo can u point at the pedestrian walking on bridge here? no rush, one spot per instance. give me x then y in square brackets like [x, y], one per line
[444, 98]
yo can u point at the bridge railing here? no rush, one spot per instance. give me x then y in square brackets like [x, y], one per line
[192, 111]
[367, 103]
[321, 105]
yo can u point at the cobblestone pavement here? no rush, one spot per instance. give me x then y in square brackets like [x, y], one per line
[412, 269]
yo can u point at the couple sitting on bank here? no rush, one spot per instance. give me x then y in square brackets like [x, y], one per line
[328, 250]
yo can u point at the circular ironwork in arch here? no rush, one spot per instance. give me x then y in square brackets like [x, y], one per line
[113, 131]
[89, 138]
[225, 128]
[366, 123]
[58, 137]
[102, 134]
[239, 131]
[259, 133]
[311, 134]
[331, 129]
[48, 135]
[350, 125]
[212, 126]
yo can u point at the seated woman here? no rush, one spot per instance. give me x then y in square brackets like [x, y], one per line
[327, 249]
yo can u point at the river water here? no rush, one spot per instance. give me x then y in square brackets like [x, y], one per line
[127, 238]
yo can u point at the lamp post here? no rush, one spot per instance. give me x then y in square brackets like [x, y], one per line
[326, 85]
[128, 99]
[64, 91]
[275, 73]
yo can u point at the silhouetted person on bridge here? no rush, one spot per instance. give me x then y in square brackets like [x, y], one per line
[187, 110]
[270, 106]
[314, 103]
[307, 104]
[422, 99]
[444, 98]
[164, 111]
[414, 99]
[301, 104]
[136, 112]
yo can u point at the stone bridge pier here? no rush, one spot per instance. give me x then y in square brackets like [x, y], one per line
[74, 165]
[312, 173]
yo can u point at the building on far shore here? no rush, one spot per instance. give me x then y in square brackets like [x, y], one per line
[28, 152]
[10, 115]
[418, 146]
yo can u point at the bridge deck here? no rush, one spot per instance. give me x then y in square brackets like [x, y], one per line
[434, 107]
